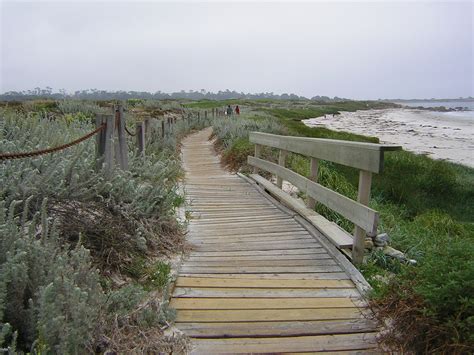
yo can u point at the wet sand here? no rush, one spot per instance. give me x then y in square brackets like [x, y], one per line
[447, 136]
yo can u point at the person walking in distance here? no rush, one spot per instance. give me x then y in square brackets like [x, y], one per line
[229, 111]
[237, 110]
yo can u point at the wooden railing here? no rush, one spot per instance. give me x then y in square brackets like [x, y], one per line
[367, 157]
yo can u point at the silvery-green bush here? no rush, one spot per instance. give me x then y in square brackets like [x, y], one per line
[51, 299]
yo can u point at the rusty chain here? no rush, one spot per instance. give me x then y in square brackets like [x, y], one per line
[11, 156]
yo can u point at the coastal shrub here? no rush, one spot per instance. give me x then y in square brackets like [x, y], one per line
[73, 220]
[232, 138]
[49, 296]
[431, 305]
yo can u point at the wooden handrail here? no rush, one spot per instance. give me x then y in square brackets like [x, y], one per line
[363, 156]
[367, 157]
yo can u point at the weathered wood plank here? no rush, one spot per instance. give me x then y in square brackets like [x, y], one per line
[293, 284]
[266, 315]
[359, 341]
[262, 293]
[263, 263]
[363, 156]
[225, 259]
[297, 251]
[334, 233]
[268, 329]
[354, 211]
[296, 276]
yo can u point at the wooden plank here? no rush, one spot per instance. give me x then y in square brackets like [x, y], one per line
[213, 292]
[276, 276]
[253, 236]
[334, 233]
[249, 283]
[244, 239]
[363, 156]
[298, 251]
[256, 246]
[202, 221]
[354, 211]
[243, 224]
[225, 259]
[359, 341]
[265, 263]
[266, 315]
[268, 329]
[259, 269]
[263, 303]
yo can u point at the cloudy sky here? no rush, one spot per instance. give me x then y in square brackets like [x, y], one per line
[374, 49]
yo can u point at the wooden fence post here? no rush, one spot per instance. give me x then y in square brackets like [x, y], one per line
[163, 128]
[199, 116]
[258, 151]
[205, 115]
[100, 140]
[281, 161]
[109, 145]
[140, 128]
[121, 147]
[313, 176]
[363, 196]
[147, 128]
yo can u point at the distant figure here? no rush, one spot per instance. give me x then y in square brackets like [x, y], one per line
[237, 110]
[229, 110]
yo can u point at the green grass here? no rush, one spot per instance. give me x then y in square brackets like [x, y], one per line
[427, 208]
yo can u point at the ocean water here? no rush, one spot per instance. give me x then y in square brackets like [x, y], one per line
[447, 104]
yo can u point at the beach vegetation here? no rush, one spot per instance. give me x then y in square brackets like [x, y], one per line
[84, 258]
[427, 208]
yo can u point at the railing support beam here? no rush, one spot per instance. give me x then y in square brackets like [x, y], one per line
[363, 196]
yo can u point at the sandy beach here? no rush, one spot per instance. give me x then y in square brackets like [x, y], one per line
[440, 135]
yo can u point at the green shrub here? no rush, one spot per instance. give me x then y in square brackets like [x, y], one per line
[49, 296]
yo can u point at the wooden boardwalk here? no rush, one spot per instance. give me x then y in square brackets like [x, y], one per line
[256, 281]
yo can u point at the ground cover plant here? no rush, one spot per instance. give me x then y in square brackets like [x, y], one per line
[84, 259]
[426, 207]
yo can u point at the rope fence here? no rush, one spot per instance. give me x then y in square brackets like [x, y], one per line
[111, 143]
[11, 156]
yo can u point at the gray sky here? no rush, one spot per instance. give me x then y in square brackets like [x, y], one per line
[349, 49]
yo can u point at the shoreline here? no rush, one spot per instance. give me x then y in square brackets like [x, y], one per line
[443, 136]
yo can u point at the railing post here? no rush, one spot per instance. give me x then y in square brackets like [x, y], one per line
[121, 148]
[100, 140]
[281, 161]
[313, 176]
[108, 145]
[146, 128]
[205, 115]
[163, 128]
[258, 151]
[140, 134]
[363, 196]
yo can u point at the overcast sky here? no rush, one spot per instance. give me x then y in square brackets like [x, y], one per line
[348, 49]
